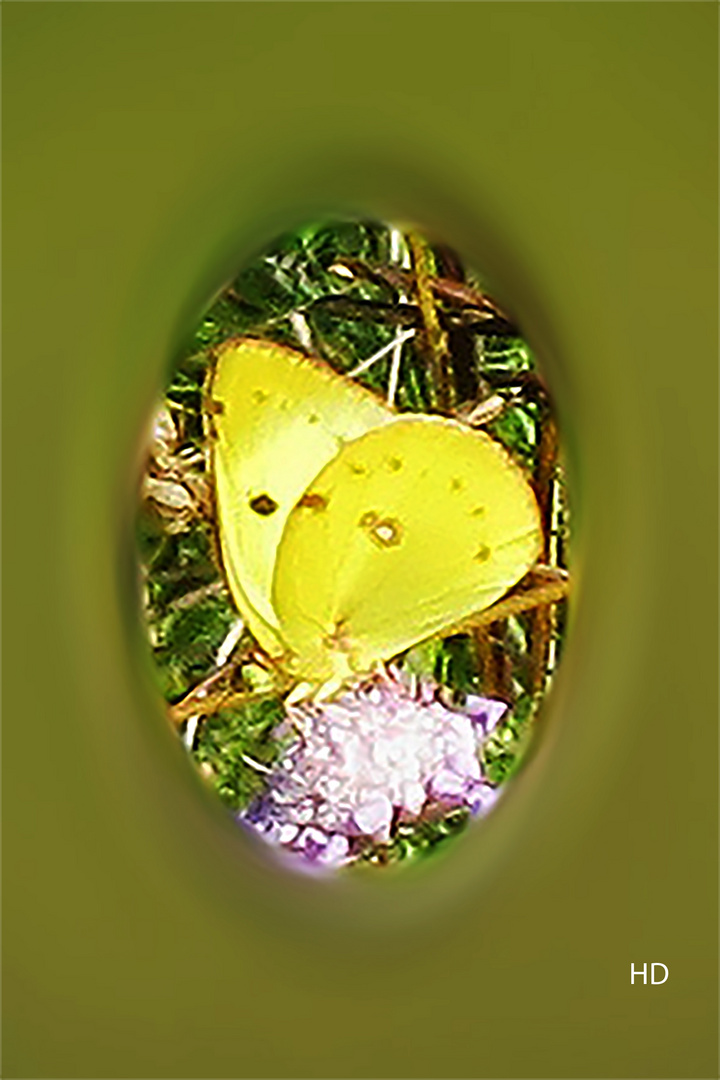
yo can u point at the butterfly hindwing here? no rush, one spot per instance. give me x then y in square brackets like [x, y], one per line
[410, 528]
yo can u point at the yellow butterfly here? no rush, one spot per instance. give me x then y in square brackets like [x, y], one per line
[350, 532]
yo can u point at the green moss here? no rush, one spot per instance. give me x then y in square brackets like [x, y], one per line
[508, 355]
[176, 564]
[187, 642]
[517, 429]
[504, 749]
[418, 839]
[230, 741]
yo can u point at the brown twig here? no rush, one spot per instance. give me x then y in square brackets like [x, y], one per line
[206, 697]
[554, 587]
[215, 588]
[219, 690]
[493, 661]
[433, 339]
[542, 622]
[445, 288]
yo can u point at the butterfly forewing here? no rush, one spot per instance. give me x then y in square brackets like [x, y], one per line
[276, 418]
[410, 528]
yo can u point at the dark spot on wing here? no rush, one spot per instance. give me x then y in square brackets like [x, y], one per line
[263, 505]
[394, 464]
[260, 396]
[313, 418]
[483, 554]
[313, 500]
[457, 484]
[384, 532]
[478, 511]
[357, 469]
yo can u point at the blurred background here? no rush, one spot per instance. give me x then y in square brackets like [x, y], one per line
[570, 152]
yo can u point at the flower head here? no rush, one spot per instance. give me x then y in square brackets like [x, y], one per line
[383, 753]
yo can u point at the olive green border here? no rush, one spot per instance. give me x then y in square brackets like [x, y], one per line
[570, 150]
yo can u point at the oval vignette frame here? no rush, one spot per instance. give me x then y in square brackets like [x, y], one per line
[405, 894]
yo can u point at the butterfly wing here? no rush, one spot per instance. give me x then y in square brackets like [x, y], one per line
[276, 419]
[410, 528]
